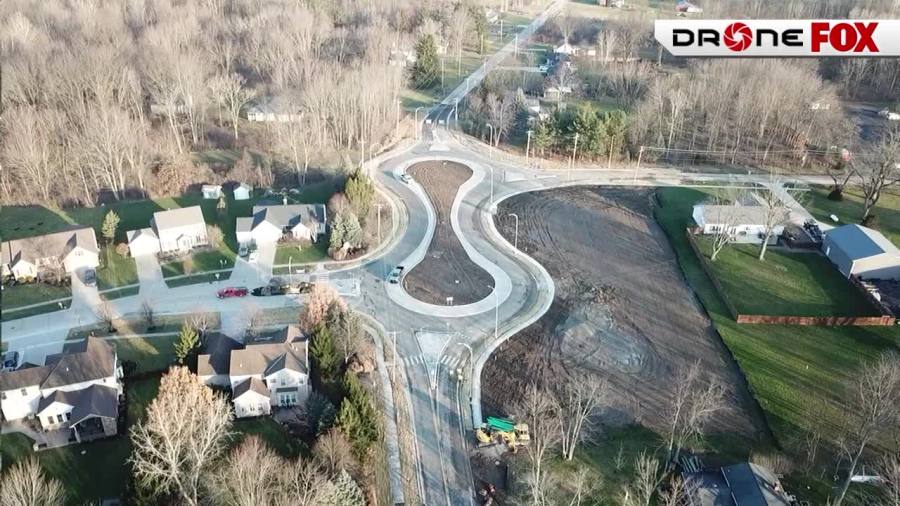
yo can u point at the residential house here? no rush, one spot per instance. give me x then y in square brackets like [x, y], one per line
[275, 110]
[176, 230]
[402, 57]
[77, 390]
[268, 371]
[242, 191]
[744, 223]
[556, 92]
[744, 484]
[566, 49]
[859, 251]
[211, 191]
[71, 251]
[686, 7]
[270, 223]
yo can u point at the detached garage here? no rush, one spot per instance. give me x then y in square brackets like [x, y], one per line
[862, 252]
[143, 242]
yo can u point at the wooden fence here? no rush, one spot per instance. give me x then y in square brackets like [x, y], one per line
[885, 318]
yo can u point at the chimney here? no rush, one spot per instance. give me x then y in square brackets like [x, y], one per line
[284, 200]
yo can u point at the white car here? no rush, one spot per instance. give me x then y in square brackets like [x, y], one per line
[406, 178]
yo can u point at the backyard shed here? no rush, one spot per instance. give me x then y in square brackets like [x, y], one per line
[242, 191]
[860, 251]
[211, 191]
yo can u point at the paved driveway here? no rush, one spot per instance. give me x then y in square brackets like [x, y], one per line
[150, 275]
[257, 273]
[83, 295]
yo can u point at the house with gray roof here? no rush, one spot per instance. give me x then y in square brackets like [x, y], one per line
[271, 223]
[743, 223]
[859, 251]
[744, 484]
[175, 230]
[77, 390]
[71, 251]
[265, 371]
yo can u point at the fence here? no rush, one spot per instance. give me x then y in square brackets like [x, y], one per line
[885, 318]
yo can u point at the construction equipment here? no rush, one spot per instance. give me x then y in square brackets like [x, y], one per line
[498, 430]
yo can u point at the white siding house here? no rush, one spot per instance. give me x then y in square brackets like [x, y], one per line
[71, 251]
[744, 224]
[271, 223]
[242, 191]
[180, 229]
[142, 242]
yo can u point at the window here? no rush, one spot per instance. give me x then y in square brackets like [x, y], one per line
[60, 418]
[68, 416]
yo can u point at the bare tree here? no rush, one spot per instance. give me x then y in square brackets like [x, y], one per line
[888, 469]
[333, 452]
[874, 410]
[25, 484]
[253, 458]
[577, 401]
[106, 315]
[647, 477]
[148, 315]
[230, 92]
[305, 484]
[584, 486]
[722, 214]
[186, 429]
[695, 400]
[537, 409]
[775, 212]
[200, 319]
[320, 298]
[879, 170]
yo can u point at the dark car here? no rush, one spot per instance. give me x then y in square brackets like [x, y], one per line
[232, 291]
[264, 291]
[10, 360]
[394, 278]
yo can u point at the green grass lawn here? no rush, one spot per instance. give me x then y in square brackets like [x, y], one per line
[7, 315]
[150, 353]
[199, 278]
[797, 373]
[786, 283]
[115, 270]
[272, 433]
[850, 210]
[315, 252]
[204, 261]
[34, 293]
[120, 292]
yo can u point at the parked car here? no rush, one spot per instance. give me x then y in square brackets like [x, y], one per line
[243, 250]
[544, 69]
[264, 291]
[10, 361]
[90, 277]
[394, 277]
[406, 178]
[232, 291]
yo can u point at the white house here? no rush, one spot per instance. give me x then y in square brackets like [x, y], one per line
[177, 230]
[860, 251]
[71, 251]
[566, 49]
[687, 7]
[242, 191]
[271, 370]
[275, 109]
[402, 58]
[78, 390]
[211, 191]
[142, 242]
[744, 224]
[272, 222]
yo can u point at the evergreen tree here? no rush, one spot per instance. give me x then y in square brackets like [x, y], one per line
[357, 417]
[425, 70]
[110, 225]
[325, 354]
[615, 124]
[187, 342]
[336, 237]
[353, 233]
[543, 137]
[361, 193]
[589, 127]
[345, 492]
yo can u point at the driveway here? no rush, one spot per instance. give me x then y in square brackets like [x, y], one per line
[257, 273]
[83, 295]
[150, 275]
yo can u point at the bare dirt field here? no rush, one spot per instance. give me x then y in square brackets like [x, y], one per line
[622, 310]
[446, 270]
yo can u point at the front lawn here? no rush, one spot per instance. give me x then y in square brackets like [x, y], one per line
[33, 293]
[204, 261]
[796, 373]
[289, 253]
[786, 283]
[115, 270]
[272, 433]
[850, 210]
[150, 353]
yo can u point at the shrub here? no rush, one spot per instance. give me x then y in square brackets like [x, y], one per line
[836, 194]
[122, 249]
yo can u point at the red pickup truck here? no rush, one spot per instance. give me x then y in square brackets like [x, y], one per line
[232, 291]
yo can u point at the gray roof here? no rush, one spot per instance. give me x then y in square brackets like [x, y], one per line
[288, 216]
[737, 214]
[217, 354]
[248, 385]
[87, 360]
[859, 242]
[94, 401]
[174, 218]
[743, 484]
[57, 245]
[266, 359]
[243, 224]
[143, 232]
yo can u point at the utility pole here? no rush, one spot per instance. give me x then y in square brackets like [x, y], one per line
[362, 151]
[378, 213]
[491, 141]
[492, 183]
[398, 116]
[442, 72]
[417, 121]
[396, 357]
[572, 160]
[527, 145]
[638, 166]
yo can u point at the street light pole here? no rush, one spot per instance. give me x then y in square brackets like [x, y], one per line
[492, 183]
[572, 160]
[527, 145]
[417, 121]
[378, 217]
[290, 271]
[491, 140]
[516, 235]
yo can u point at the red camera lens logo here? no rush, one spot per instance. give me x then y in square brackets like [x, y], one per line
[737, 37]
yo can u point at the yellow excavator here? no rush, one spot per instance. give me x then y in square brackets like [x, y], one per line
[498, 430]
